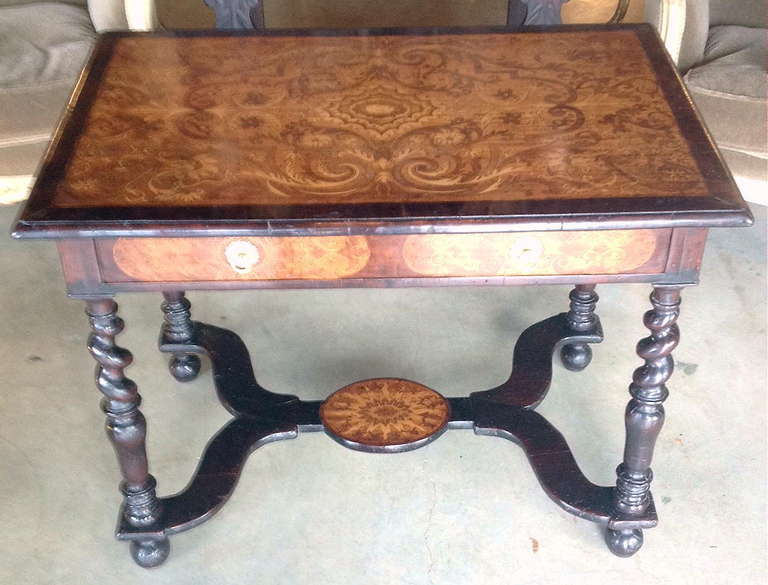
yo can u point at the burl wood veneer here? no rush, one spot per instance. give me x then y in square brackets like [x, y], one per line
[342, 257]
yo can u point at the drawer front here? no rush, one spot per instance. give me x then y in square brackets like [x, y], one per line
[369, 257]
[513, 254]
[182, 259]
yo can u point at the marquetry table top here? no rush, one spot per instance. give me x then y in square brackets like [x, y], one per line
[389, 131]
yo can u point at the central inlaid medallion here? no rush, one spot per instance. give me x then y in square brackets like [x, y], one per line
[385, 415]
[380, 109]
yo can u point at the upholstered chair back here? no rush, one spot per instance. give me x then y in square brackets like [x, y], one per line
[12, 2]
[752, 13]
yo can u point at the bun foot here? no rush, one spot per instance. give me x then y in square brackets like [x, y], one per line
[150, 553]
[576, 357]
[624, 543]
[184, 368]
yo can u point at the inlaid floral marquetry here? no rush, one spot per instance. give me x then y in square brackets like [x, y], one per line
[385, 414]
[317, 120]
[379, 132]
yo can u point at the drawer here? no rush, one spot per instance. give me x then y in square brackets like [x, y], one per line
[543, 253]
[326, 258]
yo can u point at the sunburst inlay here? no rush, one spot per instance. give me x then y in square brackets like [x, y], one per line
[384, 414]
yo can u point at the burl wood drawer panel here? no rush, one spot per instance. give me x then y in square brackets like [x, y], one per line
[413, 256]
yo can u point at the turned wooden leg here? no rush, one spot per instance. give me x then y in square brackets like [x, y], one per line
[177, 327]
[581, 317]
[644, 417]
[126, 428]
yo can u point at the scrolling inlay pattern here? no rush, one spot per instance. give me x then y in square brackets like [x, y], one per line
[324, 120]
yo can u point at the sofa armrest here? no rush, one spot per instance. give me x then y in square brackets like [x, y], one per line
[123, 15]
[683, 26]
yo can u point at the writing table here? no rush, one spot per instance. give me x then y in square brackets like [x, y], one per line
[373, 159]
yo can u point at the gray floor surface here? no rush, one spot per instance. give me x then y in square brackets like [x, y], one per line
[465, 509]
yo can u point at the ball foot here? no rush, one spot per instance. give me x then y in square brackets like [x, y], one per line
[184, 368]
[624, 543]
[576, 357]
[150, 553]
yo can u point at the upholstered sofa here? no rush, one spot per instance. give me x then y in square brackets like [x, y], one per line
[43, 46]
[721, 47]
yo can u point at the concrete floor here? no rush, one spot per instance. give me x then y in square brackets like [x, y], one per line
[466, 509]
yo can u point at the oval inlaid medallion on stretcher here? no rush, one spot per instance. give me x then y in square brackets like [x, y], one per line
[385, 415]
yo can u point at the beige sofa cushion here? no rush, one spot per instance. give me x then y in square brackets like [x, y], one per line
[43, 47]
[730, 88]
[752, 13]
[17, 2]
[752, 168]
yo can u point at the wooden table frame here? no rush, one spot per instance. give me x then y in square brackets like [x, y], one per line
[399, 239]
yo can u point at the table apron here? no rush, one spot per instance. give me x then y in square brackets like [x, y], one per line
[105, 266]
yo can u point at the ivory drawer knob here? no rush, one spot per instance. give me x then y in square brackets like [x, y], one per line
[242, 256]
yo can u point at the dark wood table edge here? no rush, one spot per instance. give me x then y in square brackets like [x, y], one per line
[264, 228]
